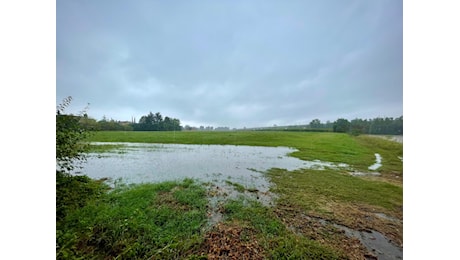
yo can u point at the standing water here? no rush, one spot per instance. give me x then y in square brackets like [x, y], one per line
[140, 163]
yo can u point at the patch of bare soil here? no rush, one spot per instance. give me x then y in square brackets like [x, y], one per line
[229, 241]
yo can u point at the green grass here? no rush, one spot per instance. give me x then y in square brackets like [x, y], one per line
[312, 189]
[162, 221]
[74, 192]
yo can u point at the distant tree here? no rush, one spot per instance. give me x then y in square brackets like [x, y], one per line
[170, 124]
[145, 123]
[157, 118]
[379, 125]
[315, 123]
[147, 120]
[155, 122]
[112, 125]
[397, 126]
[386, 125]
[341, 125]
[359, 126]
[176, 124]
[328, 124]
[89, 123]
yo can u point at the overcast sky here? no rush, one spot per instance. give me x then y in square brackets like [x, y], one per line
[231, 63]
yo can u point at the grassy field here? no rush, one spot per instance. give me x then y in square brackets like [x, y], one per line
[169, 220]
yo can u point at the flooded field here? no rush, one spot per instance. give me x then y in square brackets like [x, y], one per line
[274, 194]
[139, 163]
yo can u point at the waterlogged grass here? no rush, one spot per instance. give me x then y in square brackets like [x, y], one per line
[358, 152]
[105, 148]
[159, 221]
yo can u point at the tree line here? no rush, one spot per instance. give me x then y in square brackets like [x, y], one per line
[155, 122]
[149, 122]
[379, 125]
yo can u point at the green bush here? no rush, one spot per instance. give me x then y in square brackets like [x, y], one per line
[73, 192]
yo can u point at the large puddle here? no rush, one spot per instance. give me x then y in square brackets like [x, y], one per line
[140, 163]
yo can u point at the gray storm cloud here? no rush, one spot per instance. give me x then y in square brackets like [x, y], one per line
[235, 63]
